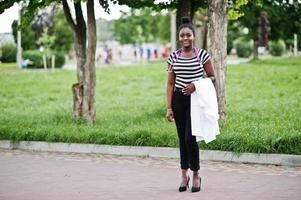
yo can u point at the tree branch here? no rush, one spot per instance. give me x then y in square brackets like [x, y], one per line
[91, 25]
[80, 21]
[7, 4]
[68, 14]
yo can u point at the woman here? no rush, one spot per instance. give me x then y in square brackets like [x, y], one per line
[185, 66]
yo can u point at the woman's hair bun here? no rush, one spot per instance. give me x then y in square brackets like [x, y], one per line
[185, 20]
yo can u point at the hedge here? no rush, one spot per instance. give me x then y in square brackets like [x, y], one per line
[243, 48]
[276, 48]
[37, 58]
[8, 53]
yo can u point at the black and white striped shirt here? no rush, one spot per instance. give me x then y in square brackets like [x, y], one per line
[188, 70]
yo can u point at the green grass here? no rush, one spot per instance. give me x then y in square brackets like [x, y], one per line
[263, 107]
[8, 66]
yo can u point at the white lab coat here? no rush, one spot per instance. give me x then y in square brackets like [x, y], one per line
[204, 111]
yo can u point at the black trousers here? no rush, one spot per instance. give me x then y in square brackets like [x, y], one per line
[189, 150]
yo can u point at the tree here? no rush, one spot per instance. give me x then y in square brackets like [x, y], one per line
[46, 42]
[56, 25]
[217, 45]
[84, 90]
[143, 25]
[43, 19]
[28, 40]
[284, 18]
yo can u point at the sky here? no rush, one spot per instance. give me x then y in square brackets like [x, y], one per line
[9, 15]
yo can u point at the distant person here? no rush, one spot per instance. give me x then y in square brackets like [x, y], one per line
[156, 53]
[110, 56]
[135, 54]
[25, 63]
[106, 51]
[141, 51]
[119, 53]
[185, 68]
[149, 53]
[165, 52]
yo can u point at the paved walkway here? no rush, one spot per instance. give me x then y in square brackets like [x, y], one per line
[126, 63]
[44, 175]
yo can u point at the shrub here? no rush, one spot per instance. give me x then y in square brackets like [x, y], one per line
[276, 48]
[9, 53]
[37, 58]
[243, 48]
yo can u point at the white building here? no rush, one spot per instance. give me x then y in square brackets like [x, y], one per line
[6, 38]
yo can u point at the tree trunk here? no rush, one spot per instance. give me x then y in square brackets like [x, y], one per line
[80, 42]
[84, 90]
[200, 22]
[77, 90]
[183, 9]
[205, 37]
[194, 6]
[89, 68]
[217, 46]
[255, 49]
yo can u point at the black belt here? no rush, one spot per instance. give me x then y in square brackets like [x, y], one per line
[178, 89]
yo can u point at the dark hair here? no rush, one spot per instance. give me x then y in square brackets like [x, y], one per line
[185, 23]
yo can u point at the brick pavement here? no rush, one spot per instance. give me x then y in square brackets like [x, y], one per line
[49, 175]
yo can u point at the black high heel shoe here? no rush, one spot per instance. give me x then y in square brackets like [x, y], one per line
[184, 188]
[196, 189]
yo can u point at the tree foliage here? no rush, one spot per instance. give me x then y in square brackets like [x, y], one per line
[28, 40]
[284, 18]
[46, 41]
[62, 32]
[57, 26]
[141, 26]
[234, 31]
[236, 7]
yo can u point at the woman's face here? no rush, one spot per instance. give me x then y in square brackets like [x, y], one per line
[186, 37]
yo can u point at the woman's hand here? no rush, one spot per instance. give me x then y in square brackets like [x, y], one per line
[169, 115]
[189, 89]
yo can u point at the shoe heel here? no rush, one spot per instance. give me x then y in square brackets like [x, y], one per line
[184, 188]
[197, 189]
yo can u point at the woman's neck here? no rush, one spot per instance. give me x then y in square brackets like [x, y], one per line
[187, 49]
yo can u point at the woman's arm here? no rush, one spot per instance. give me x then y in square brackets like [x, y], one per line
[209, 70]
[169, 93]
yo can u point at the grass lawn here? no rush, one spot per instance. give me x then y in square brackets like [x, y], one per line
[263, 107]
[8, 66]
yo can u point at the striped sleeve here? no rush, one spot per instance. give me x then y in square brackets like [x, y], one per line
[171, 62]
[171, 59]
[204, 56]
